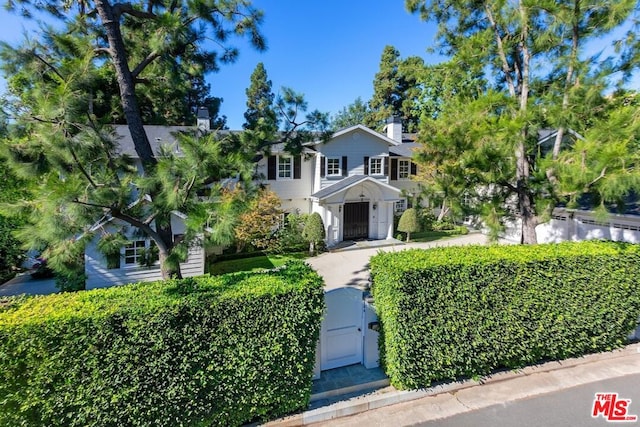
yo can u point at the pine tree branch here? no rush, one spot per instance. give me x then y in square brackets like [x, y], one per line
[93, 205]
[48, 64]
[146, 228]
[103, 50]
[142, 65]
[127, 8]
[82, 169]
[501, 52]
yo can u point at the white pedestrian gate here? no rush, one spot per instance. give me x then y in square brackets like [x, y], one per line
[341, 336]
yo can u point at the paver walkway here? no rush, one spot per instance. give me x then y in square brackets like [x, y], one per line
[351, 268]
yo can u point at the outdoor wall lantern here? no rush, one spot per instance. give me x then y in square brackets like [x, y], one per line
[375, 206]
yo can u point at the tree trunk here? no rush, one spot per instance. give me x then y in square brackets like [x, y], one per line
[167, 271]
[526, 207]
[312, 248]
[444, 210]
[111, 23]
[110, 18]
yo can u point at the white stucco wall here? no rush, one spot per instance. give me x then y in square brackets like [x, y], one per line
[582, 225]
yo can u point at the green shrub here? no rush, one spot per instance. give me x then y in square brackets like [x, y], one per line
[427, 219]
[444, 224]
[409, 222]
[313, 231]
[461, 229]
[221, 350]
[464, 312]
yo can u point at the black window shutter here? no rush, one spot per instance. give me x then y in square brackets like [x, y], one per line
[271, 168]
[322, 167]
[394, 169]
[386, 166]
[344, 165]
[414, 169]
[366, 166]
[297, 166]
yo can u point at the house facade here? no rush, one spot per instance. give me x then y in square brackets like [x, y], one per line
[357, 181]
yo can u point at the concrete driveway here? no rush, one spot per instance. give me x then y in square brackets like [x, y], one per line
[25, 284]
[350, 268]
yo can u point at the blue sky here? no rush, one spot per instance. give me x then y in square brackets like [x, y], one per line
[328, 50]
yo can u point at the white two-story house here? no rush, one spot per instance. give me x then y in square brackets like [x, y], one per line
[355, 181]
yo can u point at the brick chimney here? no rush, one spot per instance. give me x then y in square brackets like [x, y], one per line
[203, 121]
[394, 128]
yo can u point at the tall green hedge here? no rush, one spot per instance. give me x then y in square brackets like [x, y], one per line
[463, 312]
[221, 350]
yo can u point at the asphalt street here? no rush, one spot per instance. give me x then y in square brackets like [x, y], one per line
[565, 408]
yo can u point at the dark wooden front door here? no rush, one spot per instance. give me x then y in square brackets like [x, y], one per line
[356, 221]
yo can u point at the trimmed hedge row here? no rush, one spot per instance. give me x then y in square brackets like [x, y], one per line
[464, 312]
[221, 350]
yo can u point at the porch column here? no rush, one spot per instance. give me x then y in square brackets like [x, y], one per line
[329, 221]
[390, 220]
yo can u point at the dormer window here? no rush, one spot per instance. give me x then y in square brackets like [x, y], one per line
[375, 166]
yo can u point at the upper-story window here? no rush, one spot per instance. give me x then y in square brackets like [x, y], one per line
[333, 166]
[284, 168]
[375, 166]
[404, 169]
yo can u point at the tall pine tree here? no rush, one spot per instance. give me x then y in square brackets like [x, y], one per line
[542, 77]
[63, 99]
[395, 90]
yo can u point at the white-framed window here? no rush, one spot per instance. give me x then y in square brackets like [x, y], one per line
[285, 167]
[404, 169]
[333, 166]
[133, 251]
[401, 206]
[375, 166]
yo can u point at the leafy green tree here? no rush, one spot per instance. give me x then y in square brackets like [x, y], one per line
[351, 115]
[395, 90]
[313, 231]
[409, 222]
[57, 83]
[541, 77]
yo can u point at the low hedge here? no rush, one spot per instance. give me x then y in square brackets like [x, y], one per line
[458, 312]
[221, 350]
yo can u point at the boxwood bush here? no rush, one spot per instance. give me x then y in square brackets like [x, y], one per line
[221, 350]
[458, 312]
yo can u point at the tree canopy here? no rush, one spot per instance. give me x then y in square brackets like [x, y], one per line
[396, 89]
[541, 76]
[151, 58]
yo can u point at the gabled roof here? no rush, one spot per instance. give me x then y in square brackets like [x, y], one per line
[159, 136]
[405, 149]
[346, 183]
[355, 128]
[545, 135]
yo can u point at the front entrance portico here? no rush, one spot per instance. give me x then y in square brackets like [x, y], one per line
[357, 207]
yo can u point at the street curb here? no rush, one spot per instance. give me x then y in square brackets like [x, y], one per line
[391, 396]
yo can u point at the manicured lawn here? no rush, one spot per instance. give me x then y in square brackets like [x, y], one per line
[430, 236]
[261, 262]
